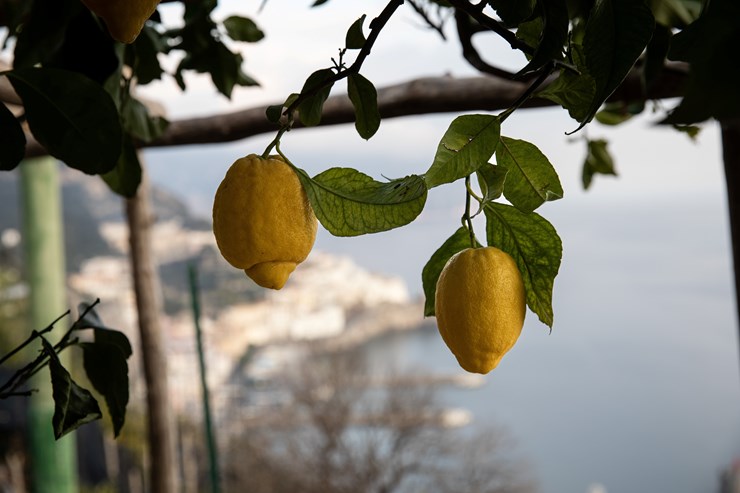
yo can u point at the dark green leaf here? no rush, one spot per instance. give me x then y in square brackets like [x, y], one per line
[355, 39]
[513, 12]
[125, 178]
[554, 35]
[106, 368]
[138, 123]
[710, 46]
[274, 112]
[13, 147]
[243, 29]
[364, 98]
[491, 179]
[531, 179]
[655, 55]
[572, 91]
[459, 241]
[691, 130]
[87, 49]
[147, 46]
[71, 116]
[316, 89]
[617, 32]
[535, 246]
[613, 114]
[530, 32]
[74, 406]
[598, 160]
[468, 144]
[91, 320]
[44, 30]
[206, 54]
[350, 203]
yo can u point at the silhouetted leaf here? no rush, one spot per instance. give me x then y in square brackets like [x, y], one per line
[74, 406]
[125, 178]
[317, 90]
[355, 39]
[598, 160]
[107, 369]
[554, 34]
[13, 147]
[364, 98]
[71, 116]
[513, 12]
[242, 29]
[139, 123]
[617, 32]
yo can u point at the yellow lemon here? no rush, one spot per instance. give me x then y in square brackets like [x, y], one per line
[262, 220]
[124, 18]
[480, 306]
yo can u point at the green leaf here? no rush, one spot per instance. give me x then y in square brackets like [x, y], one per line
[691, 130]
[91, 320]
[71, 116]
[137, 121]
[530, 32]
[355, 39]
[74, 406]
[243, 29]
[598, 161]
[554, 35]
[125, 178]
[491, 179]
[147, 46]
[13, 148]
[531, 179]
[468, 144]
[364, 98]
[274, 113]
[535, 246]
[317, 90]
[459, 241]
[572, 91]
[617, 32]
[350, 203]
[710, 46]
[106, 368]
[44, 30]
[513, 12]
[613, 114]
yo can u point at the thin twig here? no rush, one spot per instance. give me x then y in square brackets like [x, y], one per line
[424, 15]
[465, 32]
[376, 25]
[544, 74]
[476, 13]
[33, 336]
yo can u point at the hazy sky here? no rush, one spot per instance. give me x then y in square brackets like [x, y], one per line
[637, 386]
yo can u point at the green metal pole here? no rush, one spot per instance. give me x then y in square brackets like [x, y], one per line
[53, 463]
[210, 438]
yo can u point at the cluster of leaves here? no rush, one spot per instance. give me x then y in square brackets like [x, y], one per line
[105, 362]
[75, 82]
[591, 45]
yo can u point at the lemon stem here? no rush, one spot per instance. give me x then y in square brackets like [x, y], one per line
[468, 222]
[275, 143]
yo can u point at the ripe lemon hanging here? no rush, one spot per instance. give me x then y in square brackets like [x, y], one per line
[262, 220]
[124, 18]
[480, 306]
